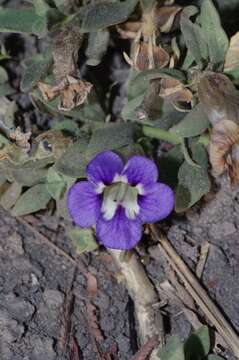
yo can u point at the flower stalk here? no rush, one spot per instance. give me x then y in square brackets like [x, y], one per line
[144, 296]
[157, 133]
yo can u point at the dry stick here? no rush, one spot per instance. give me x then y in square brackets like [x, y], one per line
[144, 296]
[198, 293]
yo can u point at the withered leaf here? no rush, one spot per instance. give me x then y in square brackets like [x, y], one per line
[142, 61]
[174, 91]
[232, 55]
[72, 91]
[165, 17]
[51, 142]
[66, 45]
[219, 97]
[224, 150]
[21, 139]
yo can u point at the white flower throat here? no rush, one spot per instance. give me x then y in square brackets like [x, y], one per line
[120, 194]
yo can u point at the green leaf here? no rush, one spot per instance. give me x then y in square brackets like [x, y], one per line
[173, 350]
[193, 184]
[112, 137]
[214, 34]
[27, 176]
[36, 69]
[56, 183]
[129, 111]
[97, 46]
[169, 165]
[41, 7]
[10, 196]
[198, 344]
[83, 239]
[21, 21]
[193, 124]
[106, 13]
[75, 159]
[5, 88]
[214, 357]
[34, 199]
[3, 75]
[194, 39]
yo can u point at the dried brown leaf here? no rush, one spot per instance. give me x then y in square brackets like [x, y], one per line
[142, 56]
[72, 91]
[232, 55]
[219, 98]
[174, 91]
[91, 286]
[21, 139]
[54, 141]
[166, 17]
[66, 45]
[47, 91]
[93, 322]
[224, 150]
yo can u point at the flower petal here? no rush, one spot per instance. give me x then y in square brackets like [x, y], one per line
[83, 204]
[156, 204]
[104, 167]
[119, 232]
[140, 170]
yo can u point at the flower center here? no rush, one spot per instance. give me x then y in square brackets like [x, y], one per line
[120, 194]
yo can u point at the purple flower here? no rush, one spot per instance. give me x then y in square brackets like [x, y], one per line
[118, 199]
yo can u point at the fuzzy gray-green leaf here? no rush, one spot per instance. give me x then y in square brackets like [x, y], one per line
[214, 34]
[194, 39]
[83, 239]
[34, 199]
[21, 21]
[106, 13]
[193, 183]
[97, 46]
[35, 69]
[194, 123]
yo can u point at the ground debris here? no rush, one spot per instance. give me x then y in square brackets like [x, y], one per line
[146, 349]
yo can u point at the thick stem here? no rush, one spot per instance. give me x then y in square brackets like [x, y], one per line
[144, 296]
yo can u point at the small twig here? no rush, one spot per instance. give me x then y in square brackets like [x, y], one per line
[144, 296]
[197, 292]
[202, 259]
[146, 349]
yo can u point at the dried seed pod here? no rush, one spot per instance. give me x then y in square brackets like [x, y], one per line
[224, 150]
[160, 57]
[219, 98]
